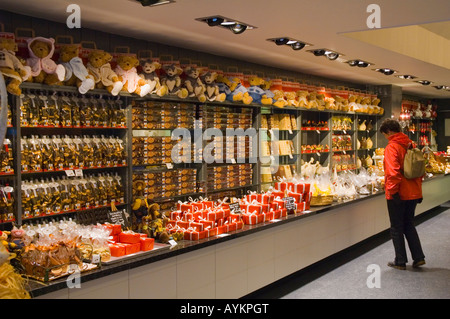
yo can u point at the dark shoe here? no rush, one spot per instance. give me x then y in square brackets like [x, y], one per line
[418, 263]
[397, 266]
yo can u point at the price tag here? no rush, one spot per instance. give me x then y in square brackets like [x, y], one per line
[79, 172]
[344, 132]
[233, 161]
[235, 208]
[172, 243]
[290, 131]
[290, 203]
[70, 173]
[95, 258]
[317, 131]
[169, 165]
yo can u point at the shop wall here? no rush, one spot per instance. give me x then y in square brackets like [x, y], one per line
[443, 114]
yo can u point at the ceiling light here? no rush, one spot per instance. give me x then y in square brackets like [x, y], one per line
[238, 28]
[331, 55]
[441, 87]
[214, 21]
[319, 52]
[386, 71]
[424, 82]
[151, 3]
[406, 77]
[281, 41]
[235, 26]
[297, 45]
[293, 43]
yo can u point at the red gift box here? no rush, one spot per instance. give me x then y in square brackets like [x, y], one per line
[234, 218]
[281, 203]
[206, 223]
[191, 216]
[207, 204]
[185, 207]
[239, 224]
[297, 196]
[277, 193]
[129, 238]
[117, 250]
[283, 212]
[277, 214]
[301, 206]
[274, 206]
[307, 196]
[147, 244]
[132, 248]
[268, 216]
[282, 186]
[213, 215]
[252, 196]
[175, 215]
[300, 188]
[254, 209]
[265, 198]
[197, 206]
[210, 232]
[252, 219]
[194, 235]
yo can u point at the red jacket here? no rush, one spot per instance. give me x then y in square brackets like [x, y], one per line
[394, 180]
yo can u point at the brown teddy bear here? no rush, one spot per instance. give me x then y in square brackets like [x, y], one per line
[312, 101]
[100, 68]
[11, 67]
[302, 97]
[76, 72]
[127, 72]
[172, 81]
[149, 68]
[291, 98]
[194, 84]
[212, 89]
[256, 92]
[43, 68]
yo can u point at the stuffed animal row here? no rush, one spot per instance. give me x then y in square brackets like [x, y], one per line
[128, 73]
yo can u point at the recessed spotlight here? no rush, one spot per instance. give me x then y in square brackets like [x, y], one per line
[424, 82]
[234, 26]
[386, 71]
[297, 45]
[214, 21]
[152, 3]
[359, 63]
[293, 43]
[331, 55]
[238, 28]
[441, 87]
[406, 77]
[319, 52]
[281, 41]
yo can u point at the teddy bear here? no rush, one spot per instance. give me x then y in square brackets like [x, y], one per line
[341, 103]
[100, 68]
[279, 98]
[352, 105]
[312, 101]
[149, 74]
[76, 72]
[255, 91]
[233, 88]
[330, 103]
[172, 81]
[194, 84]
[128, 75]
[266, 85]
[11, 67]
[302, 97]
[212, 89]
[321, 101]
[43, 68]
[291, 98]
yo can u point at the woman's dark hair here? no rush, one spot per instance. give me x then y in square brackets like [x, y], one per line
[390, 125]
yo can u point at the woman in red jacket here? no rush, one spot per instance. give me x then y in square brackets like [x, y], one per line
[402, 196]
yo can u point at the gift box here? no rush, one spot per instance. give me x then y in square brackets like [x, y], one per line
[307, 197]
[210, 232]
[274, 206]
[185, 207]
[281, 203]
[147, 244]
[129, 238]
[266, 198]
[283, 212]
[239, 224]
[252, 196]
[252, 219]
[213, 215]
[206, 223]
[277, 193]
[301, 207]
[282, 186]
[268, 216]
[175, 215]
[232, 218]
[207, 204]
[191, 216]
[117, 250]
[132, 248]
[297, 196]
[277, 214]
[194, 235]
[300, 187]
[197, 205]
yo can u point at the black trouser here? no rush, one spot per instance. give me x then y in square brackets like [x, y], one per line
[401, 215]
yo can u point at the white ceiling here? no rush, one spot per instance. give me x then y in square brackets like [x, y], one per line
[322, 23]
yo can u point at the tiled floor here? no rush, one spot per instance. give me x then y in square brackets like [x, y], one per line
[360, 272]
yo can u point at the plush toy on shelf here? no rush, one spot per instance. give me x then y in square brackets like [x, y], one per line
[313, 103]
[256, 92]
[100, 68]
[11, 67]
[149, 74]
[302, 97]
[194, 84]
[212, 89]
[128, 75]
[172, 81]
[43, 68]
[12, 285]
[76, 72]
[233, 88]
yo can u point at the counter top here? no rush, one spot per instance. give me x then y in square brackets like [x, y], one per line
[38, 288]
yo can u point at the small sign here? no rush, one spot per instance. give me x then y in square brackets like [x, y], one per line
[290, 203]
[235, 208]
[118, 217]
